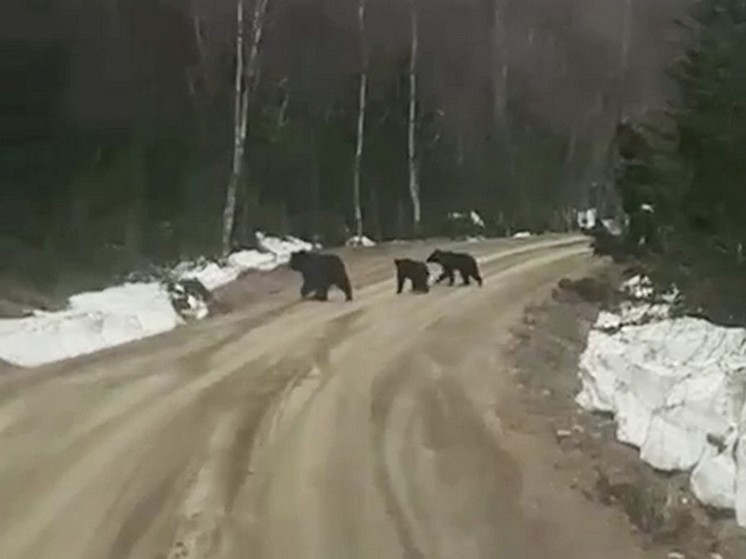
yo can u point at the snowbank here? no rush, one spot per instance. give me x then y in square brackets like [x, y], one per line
[522, 235]
[101, 319]
[92, 321]
[677, 388]
[214, 275]
[273, 252]
[281, 249]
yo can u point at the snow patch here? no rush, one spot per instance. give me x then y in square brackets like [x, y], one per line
[677, 388]
[613, 226]
[134, 310]
[281, 248]
[586, 219]
[471, 217]
[476, 219]
[361, 241]
[522, 235]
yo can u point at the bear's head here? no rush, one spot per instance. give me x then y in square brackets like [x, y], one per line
[435, 256]
[298, 260]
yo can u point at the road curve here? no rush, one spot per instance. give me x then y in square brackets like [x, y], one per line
[285, 430]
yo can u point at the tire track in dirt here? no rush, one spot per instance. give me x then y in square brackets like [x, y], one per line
[402, 390]
[181, 441]
[379, 335]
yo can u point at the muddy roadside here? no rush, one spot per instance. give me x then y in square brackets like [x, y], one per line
[658, 509]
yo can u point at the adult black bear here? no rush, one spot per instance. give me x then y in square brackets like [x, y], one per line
[320, 272]
[412, 270]
[465, 264]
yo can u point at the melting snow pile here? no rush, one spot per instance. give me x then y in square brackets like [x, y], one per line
[677, 388]
[522, 235]
[97, 320]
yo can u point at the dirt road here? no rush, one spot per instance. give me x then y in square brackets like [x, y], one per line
[287, 429]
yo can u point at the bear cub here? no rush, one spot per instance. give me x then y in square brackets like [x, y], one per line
[451, 262]
[320, 272]
[414, 271]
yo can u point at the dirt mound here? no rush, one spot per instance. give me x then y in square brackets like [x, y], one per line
[591, 290]
[661, 510]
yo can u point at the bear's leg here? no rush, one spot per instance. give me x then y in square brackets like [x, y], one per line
[451, 276]
[344, 285]
[416, 285]
[464, 277]
[322, 293]
[399, 282]
[477, 277]
[426, 282]
[420, 286]
[305, 290]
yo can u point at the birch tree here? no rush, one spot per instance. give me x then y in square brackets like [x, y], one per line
[362, 94]
[414, 185]
[245, 78]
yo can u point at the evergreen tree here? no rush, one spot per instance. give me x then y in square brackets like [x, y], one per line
[691, 167]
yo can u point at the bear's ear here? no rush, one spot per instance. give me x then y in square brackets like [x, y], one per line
[397, 261]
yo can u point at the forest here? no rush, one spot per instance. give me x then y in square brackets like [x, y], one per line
[686, 161]
[148, 130]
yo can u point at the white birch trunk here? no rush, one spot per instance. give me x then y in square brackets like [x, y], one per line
[245, 79]
[360, 119]
[414, 186]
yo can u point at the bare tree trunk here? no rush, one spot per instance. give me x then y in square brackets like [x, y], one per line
[414, 186]
[360, 119]
[245, 78]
